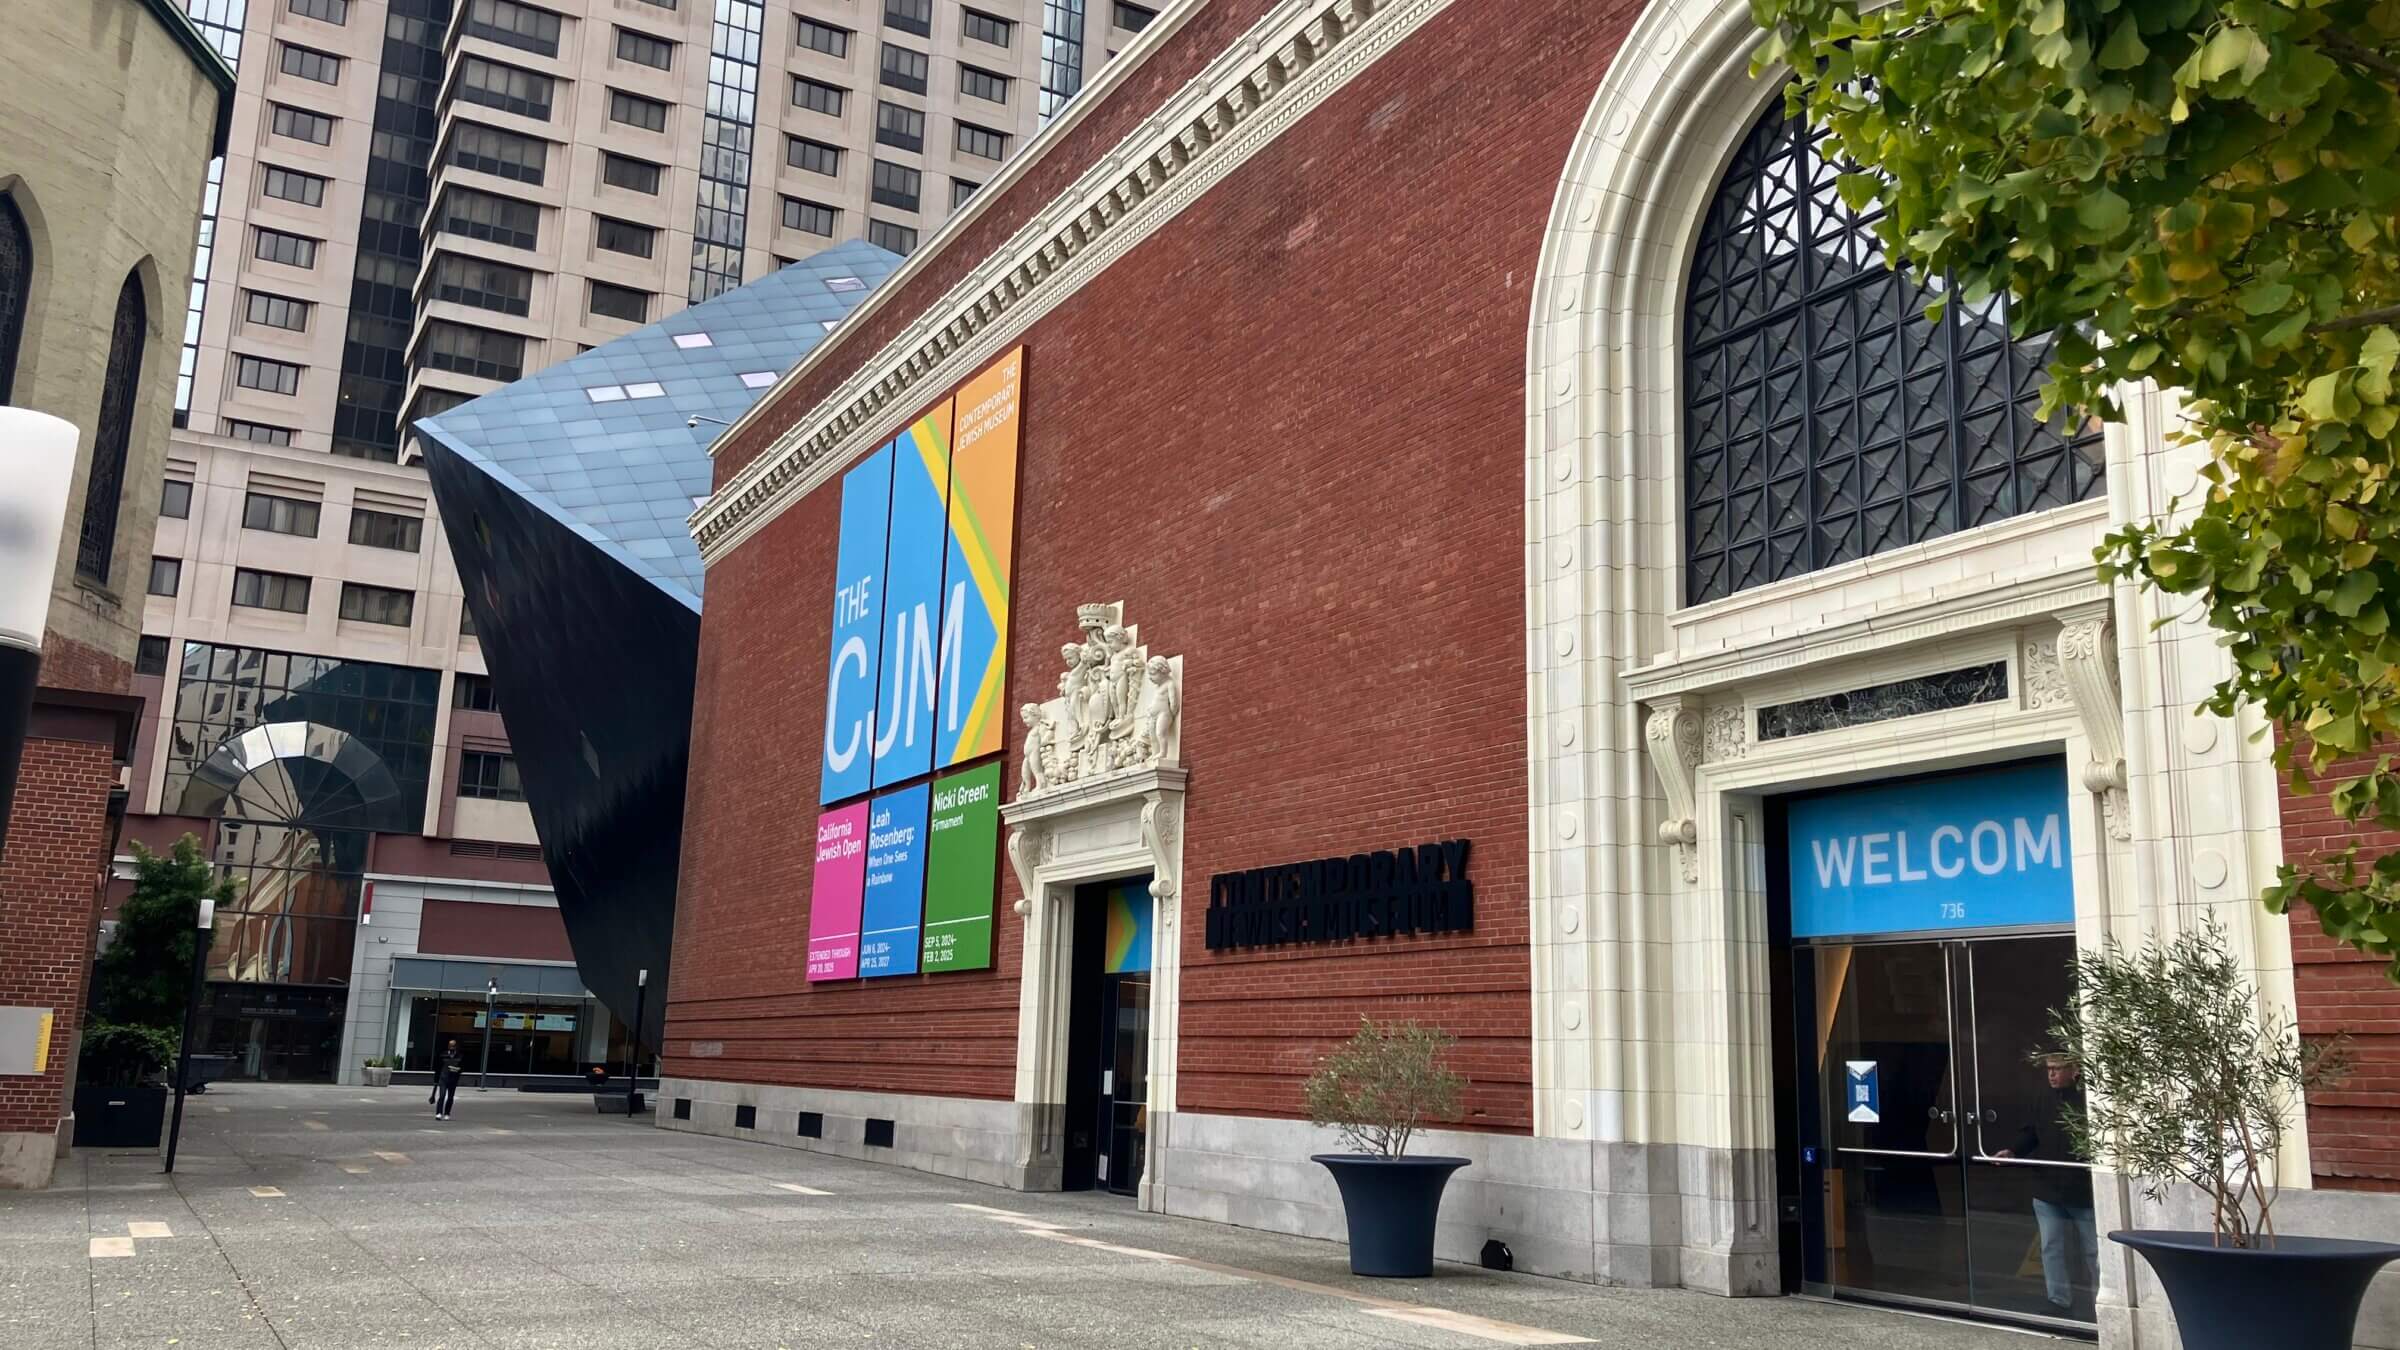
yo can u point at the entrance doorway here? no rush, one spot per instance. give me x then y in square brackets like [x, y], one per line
[1930, 931]
[1942, 1174]
[1108, 1039]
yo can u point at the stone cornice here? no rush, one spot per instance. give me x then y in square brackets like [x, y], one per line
[1294, 58]
[1971, 610]
[1076, 798]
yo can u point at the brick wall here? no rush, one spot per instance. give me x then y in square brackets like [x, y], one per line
[48, 884]
[2354, 1128]
[1288, 432]
[68, 664]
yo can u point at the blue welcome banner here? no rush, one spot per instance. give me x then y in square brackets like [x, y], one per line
[1987, 849]
[857, 630]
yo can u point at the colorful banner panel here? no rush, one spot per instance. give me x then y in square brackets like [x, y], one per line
[962, 873]
[983, 522]
[895, 892]
[912, 599]
[1987, 849]
[835, 891]
[1126, 948]
[857, 630]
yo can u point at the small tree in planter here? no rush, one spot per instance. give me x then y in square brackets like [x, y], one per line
[1378, 1090]
[140, 987]
[379, 1069]
[2187, 1084]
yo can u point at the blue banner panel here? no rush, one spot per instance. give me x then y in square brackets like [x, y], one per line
[1975, 850]
[857, 630]
[895, 903]
[912, 599]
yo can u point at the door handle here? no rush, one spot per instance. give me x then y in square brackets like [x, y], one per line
[1942, 1114]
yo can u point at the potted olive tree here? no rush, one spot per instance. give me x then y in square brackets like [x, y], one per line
[2187, 1085]
[1379, 1090]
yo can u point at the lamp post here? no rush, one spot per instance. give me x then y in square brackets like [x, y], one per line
[491, 1014]
[206, 929]
[37, 473]
[633, 1042]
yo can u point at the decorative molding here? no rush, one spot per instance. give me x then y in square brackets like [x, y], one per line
[2087, 655]
[2044, 681]
[2002, 605]
[1673, 737]
[1119, 710]
[1728, 733]
[1293, 59]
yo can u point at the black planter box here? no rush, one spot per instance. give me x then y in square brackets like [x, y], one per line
[119, 1117]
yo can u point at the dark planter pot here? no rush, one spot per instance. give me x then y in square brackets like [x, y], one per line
[2300, 1294]
[119, 1117]
[1391, 1204]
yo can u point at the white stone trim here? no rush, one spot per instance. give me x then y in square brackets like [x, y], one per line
[1123, 825]
[1298, 55]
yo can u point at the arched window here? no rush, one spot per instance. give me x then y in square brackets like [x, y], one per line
[120, 389]
[16, 288]
[1825, 418]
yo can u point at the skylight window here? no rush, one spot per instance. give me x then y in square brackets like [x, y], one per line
[830, 325]
[687, 341]
[646, 389]
[844, 284]
[757, 379]
[605, 393]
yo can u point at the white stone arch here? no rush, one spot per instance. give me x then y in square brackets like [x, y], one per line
[1603, 568]
[1650, 990]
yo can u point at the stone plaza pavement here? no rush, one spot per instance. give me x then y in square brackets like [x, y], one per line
[338, 1217]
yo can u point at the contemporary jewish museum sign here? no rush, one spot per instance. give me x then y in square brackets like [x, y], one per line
[919, 651]
[1393, 892]
[914, 678]
[1987, 849]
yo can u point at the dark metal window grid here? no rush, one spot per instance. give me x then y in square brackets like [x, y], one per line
[815, 156]
[514, 25]
[388, 605]
[112, 434]
[386, 529]
[1826, 419]
[634, 175]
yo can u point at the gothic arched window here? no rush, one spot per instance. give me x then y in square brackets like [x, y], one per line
[16, 289]
[120, 389]
[1825, 417]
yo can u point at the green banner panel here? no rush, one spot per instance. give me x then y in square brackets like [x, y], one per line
[962, 870]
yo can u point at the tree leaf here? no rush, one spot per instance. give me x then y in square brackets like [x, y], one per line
[2124, 49]
[2102, 211]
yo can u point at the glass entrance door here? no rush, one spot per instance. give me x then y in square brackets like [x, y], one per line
[1125, 1082]
[1945, 1174]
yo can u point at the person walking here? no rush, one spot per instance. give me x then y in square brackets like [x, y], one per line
[445, 1080]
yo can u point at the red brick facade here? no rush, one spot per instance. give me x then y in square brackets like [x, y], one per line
[1288, 432]
[49, 886]
[2354, 1128]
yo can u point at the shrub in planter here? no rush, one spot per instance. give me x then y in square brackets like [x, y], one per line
[1379, 1090]
[119, 1101]
[2188, 1085]
[379, 1069]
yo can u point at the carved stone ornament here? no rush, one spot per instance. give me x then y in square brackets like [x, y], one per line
[1119, 710]
[1673, 737]
[2087, 658]
[1728, 735]
[2045, 682]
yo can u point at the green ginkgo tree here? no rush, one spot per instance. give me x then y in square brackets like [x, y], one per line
[2204, 195]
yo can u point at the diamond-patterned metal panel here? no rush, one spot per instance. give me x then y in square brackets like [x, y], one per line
[623, 473]
[1825, 417]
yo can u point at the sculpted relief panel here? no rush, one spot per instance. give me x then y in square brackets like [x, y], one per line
[1119, 709]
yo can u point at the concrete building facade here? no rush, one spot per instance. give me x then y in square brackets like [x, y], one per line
[106, 127]
[1604, 618]
[421, 201]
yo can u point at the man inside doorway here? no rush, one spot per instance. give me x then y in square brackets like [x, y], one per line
[2062, 1188]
